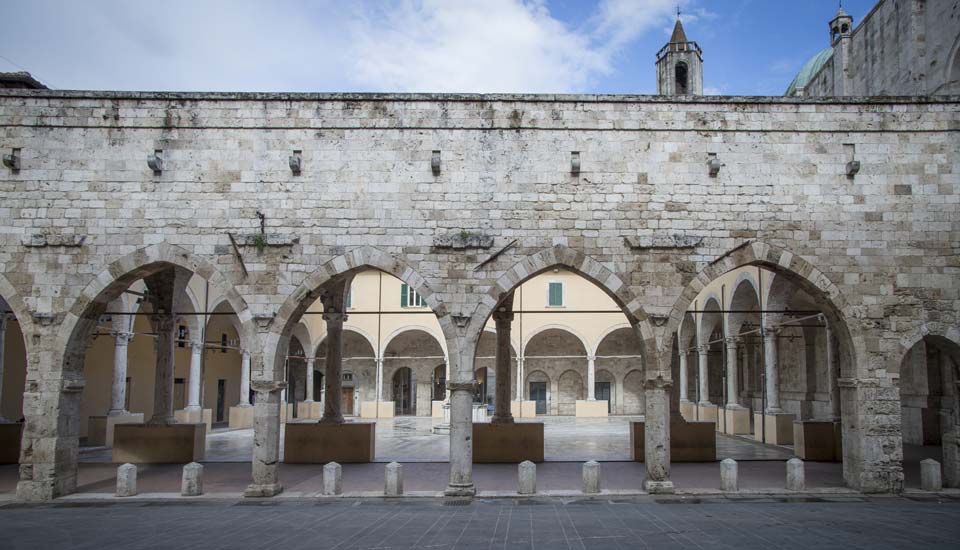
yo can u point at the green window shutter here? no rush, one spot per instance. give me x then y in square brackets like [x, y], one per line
[403, 295]
[556, 294]
[350, 297]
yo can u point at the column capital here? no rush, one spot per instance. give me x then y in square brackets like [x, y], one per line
[733, 341]
[704, 349]
[311, 360]
[245, 353]
[504, 316]
[591, 358]
[772, 332]
[123, 338]
[196, 345]
[334, 318]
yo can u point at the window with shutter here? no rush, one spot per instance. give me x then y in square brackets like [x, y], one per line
[409, 297]
[403, 295]
[350, 297]
[555, 295]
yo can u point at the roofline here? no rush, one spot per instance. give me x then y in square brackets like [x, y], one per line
[454, 97]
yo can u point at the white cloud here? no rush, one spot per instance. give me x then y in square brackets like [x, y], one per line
[300, 45]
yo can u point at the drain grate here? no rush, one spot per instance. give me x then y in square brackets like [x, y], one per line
[457, 502]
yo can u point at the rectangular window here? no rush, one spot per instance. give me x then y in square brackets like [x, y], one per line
[409, 297]
[350, 297]
[555, 294]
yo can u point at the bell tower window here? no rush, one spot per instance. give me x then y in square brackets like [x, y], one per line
[680, 77]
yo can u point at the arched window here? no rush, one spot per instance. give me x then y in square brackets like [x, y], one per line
[680, 76]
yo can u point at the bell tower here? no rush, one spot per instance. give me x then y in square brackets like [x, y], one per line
[680, 65]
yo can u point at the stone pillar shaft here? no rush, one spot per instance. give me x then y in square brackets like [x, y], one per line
[684, 384]
[732, 345]
[461, 437]
[266, 441]
[332, 413]
[657, 435]
[591, 378]
[118, 391]
[244, 378]
[832, 373]
[193, 390]
[771, 370]
[519, 378]
[163, 388]
[310, 363]
[703, 380]
[380, 379]
[502, 413]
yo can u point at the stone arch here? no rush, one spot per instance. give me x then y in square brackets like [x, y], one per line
[344, 265]
[710, 318]
[687, 331]
[745, 296]
[11, 356]
[412, 328]
[359, 332]
[19, 309]
[570, 389]
[610, 330]
[581, 264]
[949, 333]
[560, 327]
[537, 375]
[490, 331]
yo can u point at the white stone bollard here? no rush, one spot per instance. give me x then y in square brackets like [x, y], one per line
[930, 476]
[394, 485]
[795, 477]
[591, 477]
[332, 479]
[527, 478]
[192, 482]
[127, 480]
[728, 475]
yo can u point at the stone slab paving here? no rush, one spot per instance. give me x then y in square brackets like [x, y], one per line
[542, 523]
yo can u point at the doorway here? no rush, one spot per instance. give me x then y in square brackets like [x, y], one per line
[221, 398]
[346, 401]
[601, 392]
[538, 393]
[402, 392]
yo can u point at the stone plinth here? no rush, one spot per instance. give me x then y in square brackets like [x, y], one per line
[203, 416]
[96, 431]
[689, 441]
[511, 443]
[521, 409]
[381, 409]
[591, 477]
[591, 409]
[309, 411]
[241, 417]
[113, 421]
[777, 428]
[816, 441]
[127, 480]
[736, 421]
[314, 443]
[688, 410]
[172, 444]
[728, 475]
[706, 413]
[436, 409]
[527, 478]
[10, 436]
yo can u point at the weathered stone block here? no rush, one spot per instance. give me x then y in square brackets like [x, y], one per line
[191, 484]
[394, 480]
[314, 443]
[591, 477]
[332, 479]
[930, 475]
[728, 475]
[795, 475]
[126, 480]
[527, 478]
[146, 444]
[512, 443]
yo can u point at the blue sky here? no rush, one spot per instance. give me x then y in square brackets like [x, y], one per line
[751, 47]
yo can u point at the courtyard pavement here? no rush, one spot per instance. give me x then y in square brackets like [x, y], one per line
[825, 523]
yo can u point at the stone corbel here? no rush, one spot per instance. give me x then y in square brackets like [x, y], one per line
[658, 383]
[268, 239]
[658, 320]
[72, 385]
[462, 240]
[40, 240]
[43, 319]
[267, 386]
[663, 242]
[264, 320]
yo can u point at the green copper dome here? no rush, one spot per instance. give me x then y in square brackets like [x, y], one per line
[809, 70]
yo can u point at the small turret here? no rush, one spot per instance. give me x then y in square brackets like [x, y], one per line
[680, 65]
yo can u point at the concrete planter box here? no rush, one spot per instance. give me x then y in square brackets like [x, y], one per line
[777, 428]
[309, 411]
[507, 443]
[591, 409]
[173, 444]
[523, 409]
[314, 443]
[376, 409]
[203, 416]
[241, 417]
[689, 441]
[736, 421]
[817, 441]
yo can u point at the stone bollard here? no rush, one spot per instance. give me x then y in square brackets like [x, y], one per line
[728, 475]
[332, 479]
[192, 482]
[591, 477]
[795, 476]
[394, 486]
[527, 478]
[930, 476]
[127, 480]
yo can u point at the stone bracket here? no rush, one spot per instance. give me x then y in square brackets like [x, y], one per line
[40, 240]
[270, 239]
[264, 320]
[663, 242]
[462, 240]
[267, 385]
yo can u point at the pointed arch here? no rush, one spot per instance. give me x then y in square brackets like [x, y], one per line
[19, 309]
[610, 330]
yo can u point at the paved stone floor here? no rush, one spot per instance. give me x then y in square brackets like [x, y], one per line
[643, 522]
[411, 439]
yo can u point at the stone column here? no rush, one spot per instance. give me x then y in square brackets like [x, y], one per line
[684, 384]
[461, 438]
[380, 380]
[502, 413]
[333, 379]
[948, 424]
[704, 381]
[163, 381]
[832, 372]
[193, 390]
[310, 362]
[266, 440]
[591, 378]
[771, 370]
[732, 344]
[244, 378]
[657, 434]
[519, 378]
[118, 395]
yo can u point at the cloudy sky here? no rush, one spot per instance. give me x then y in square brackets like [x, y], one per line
[750, 47]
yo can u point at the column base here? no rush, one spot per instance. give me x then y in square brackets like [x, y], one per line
[658, 487]
[195, 416]
[460, 491]
[688, 410]
[241, 416]
[706, 412]
[777, 428]
[591, 409]
[309, 410]
[255, 490]
[736, 420]
[377, 409]
[520, 409]
[689, 441]
[817, 441]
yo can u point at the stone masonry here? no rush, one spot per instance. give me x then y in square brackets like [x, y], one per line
[85, 216]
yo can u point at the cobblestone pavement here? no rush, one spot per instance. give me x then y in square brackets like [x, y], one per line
[648, 522]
